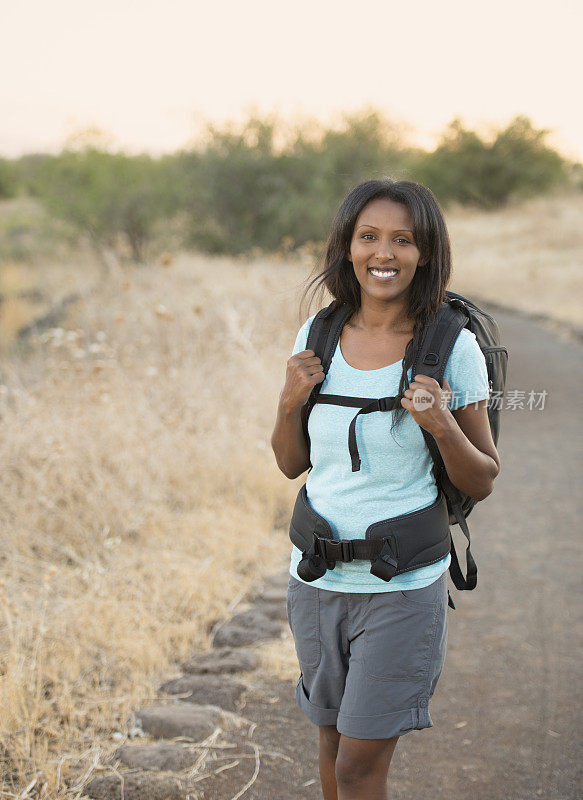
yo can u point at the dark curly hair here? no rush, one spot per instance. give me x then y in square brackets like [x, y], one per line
[335, 272]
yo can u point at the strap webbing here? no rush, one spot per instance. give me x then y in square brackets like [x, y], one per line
[383, 404]
[442, 479]
[344, 400]
[367, 405]
[471, 579]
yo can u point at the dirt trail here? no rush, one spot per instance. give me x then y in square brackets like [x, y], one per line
[506, 711]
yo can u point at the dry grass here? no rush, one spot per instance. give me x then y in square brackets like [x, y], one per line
[136, 463]
[139, 496]
[527, 256]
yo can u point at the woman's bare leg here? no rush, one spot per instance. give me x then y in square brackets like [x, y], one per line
[362, 768]
[329, 741]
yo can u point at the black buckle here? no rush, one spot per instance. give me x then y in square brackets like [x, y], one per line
[385, 565]
[335, 550]
[386, 403]
[431, 359]
[347, 551]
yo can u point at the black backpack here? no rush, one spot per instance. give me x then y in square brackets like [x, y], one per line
[455, 313]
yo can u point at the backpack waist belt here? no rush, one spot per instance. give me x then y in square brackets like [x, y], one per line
[395, 545]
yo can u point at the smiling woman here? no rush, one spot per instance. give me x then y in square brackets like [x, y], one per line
[385, 258]
[383, 249]
[372, 605]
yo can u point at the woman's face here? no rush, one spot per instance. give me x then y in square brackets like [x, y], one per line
[383, 251]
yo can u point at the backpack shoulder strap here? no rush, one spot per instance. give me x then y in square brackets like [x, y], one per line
[325, 331]
[431, 360]
[454, 502]
[324, 334]
[322, 338]
[438, 340]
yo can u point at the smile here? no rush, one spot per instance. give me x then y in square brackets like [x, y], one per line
[383, 273]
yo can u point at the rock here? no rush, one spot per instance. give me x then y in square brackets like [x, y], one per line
[234, 636]
[273, 610]
[280, 580]
[273, 595]
[165, 722]
[169, 756]
[214, 689]
[137, 786]
[254, 619]
[246, 628]
[222, 659]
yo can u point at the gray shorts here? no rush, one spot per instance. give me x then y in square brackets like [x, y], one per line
[369, 662]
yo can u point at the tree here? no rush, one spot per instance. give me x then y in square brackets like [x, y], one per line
[465, 168]
[7, 179]
[109, 196]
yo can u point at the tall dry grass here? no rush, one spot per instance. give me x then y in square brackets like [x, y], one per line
[527, 256]
[140, 498]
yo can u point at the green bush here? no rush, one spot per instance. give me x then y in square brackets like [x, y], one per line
[109, 196]
[8, 184]
[250, 186]
[27, 171]
[465, 168]
[233, 189]
[241, 191]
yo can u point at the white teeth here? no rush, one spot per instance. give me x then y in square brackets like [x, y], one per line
[384, 273]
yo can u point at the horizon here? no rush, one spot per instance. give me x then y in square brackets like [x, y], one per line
[102, 139]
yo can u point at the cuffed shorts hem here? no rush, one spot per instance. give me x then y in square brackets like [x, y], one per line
[382, 726]
[317, 715]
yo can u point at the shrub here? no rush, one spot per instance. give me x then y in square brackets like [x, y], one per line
[250, 186]
[465, 168]
[7, 179]
[106, 195]
[242, 191]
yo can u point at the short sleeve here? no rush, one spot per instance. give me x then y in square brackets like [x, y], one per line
[302, 336]
[466, 371]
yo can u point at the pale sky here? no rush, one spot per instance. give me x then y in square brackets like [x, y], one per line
[148, 72]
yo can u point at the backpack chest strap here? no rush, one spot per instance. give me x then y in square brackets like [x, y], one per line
[366, 405]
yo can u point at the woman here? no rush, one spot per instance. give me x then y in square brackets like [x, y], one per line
[370, 651]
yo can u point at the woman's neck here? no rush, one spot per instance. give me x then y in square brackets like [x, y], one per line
[378, 318]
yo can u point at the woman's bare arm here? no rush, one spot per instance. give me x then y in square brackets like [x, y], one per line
[468, 451]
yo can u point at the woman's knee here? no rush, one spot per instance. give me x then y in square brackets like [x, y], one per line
[329, 738]
[359, 759]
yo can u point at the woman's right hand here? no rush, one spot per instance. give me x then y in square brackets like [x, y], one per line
[304, 371]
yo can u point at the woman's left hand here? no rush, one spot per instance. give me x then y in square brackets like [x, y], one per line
[429, 407]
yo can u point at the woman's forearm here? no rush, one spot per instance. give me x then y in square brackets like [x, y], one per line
[289, 442]
[470, 470]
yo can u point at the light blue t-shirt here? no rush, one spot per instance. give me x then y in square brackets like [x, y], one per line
[395, 472]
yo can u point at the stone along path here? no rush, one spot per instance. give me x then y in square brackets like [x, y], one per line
[230, 732]
[506, 711]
